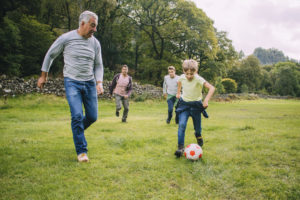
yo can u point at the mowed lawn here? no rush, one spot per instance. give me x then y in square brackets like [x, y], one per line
[251, 151]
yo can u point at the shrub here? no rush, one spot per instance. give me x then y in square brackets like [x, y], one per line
[141, 97]
[230, 85]
[219, 86]
[244, 88]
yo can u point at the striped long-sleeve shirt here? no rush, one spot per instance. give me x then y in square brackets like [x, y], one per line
[170, 85]
[82, 57]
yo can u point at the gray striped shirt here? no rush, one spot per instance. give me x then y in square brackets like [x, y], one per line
[82, 57]
[170, 85]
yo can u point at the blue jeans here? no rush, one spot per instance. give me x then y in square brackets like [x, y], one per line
[80, 93]
[171, 103]
[183, 119]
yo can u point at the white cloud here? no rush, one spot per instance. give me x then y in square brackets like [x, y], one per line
[257, 23]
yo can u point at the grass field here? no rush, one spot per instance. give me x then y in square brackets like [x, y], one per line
[251, 151]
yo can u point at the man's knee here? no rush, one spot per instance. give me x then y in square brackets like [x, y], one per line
[77, 117]
[92, 118]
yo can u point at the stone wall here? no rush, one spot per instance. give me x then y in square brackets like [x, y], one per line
[17, 86]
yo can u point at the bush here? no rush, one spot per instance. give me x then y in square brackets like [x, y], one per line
[140, 98]
[108, 75]
[229, 85]
[244, 88]
[219, 86]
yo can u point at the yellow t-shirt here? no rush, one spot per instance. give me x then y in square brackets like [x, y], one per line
[192, 90]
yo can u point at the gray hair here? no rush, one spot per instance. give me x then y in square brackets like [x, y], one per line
[86, 16]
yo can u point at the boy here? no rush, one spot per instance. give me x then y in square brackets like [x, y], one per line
[170, 90]
[121, 86]
[190, 102]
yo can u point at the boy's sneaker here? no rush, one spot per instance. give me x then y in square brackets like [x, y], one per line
[168, 121]
[82, 157]
[117, 113]
[200, 141]
[124, 120]
[178, 153]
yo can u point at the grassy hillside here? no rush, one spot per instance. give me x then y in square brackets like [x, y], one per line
[251, 151]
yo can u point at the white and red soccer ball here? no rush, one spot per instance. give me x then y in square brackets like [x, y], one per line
[193, 152]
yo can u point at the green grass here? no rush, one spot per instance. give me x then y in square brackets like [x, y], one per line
[251, 151]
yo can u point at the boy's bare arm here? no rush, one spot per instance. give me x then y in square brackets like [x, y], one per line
[211, 90]
[178, 89]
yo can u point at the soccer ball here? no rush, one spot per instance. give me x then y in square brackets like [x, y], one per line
[193, 152]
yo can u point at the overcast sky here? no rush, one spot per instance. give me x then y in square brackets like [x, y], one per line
[257, 23]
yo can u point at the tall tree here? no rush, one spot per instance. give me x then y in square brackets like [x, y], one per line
[153, 17]
[223, 61]
[286, 78]
[197, 37]
[247, 72]
[36, 39]
[10, 48]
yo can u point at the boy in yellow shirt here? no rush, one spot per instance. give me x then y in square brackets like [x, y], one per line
[190, 102]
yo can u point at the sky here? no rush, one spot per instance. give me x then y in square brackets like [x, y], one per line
[257, 23]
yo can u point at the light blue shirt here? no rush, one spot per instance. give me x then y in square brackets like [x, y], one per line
[82, 57]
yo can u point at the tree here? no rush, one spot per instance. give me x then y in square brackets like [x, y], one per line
[152, 17]
[266, 81]
[10, 48]
[241, 54]
[172, 30]
[286, 79]
[36, 39]
[225, 58]
[219, 86]
[197, 37]
[247, 72]
[116, 34]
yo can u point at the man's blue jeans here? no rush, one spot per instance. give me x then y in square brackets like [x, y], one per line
[171, 102]
[80, 93]
[183, 119]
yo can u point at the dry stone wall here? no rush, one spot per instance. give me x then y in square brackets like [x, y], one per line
[18, 86]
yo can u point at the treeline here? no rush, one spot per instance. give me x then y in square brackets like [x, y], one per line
[248, 75]
[271, 56]
[147, 35]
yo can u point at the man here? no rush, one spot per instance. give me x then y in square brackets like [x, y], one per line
[121, 87]
[83, 75]
[170, 90]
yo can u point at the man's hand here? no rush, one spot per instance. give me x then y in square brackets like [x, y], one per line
[126, 96]
[42, 80]
[165, 96]
[178, 95]
[99, 88]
